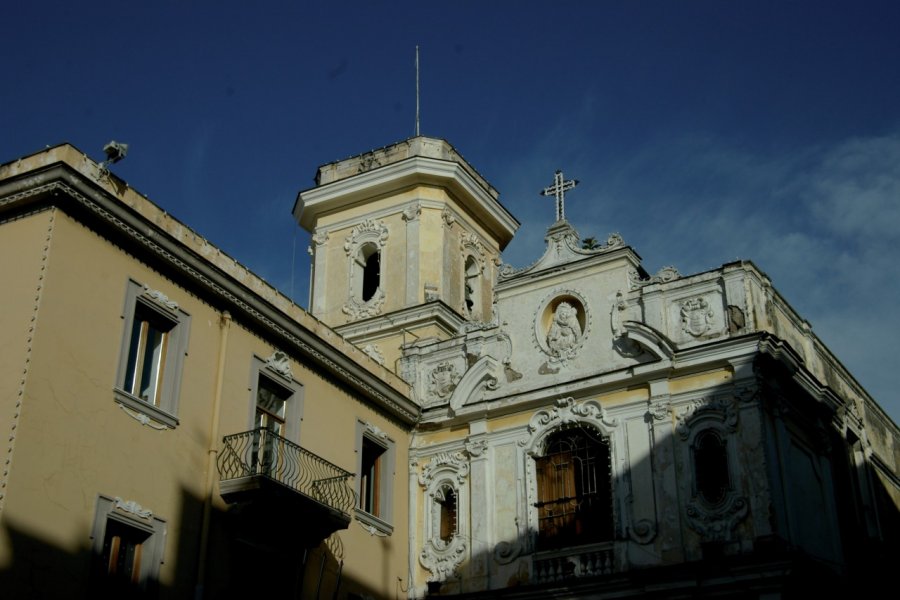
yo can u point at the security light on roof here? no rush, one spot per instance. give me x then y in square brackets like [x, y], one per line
[115, 152]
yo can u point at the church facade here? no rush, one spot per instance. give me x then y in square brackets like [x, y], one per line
[439, 424]
[586, 426]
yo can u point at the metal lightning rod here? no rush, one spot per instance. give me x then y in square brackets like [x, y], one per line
[417, 90]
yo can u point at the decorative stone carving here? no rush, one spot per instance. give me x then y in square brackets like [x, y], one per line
[431, 292]
[280, 363]
[443, 379]
[722, 409]
[320, 237]
[444, 474]
[367, 231]
[505, 270]
[664, 275]
[357, 309]
[566, 413]
[696, 316]
[561, 324]
[367, 162]
[448, 217]
[143, 419]
[412, 212]
[130, 506]
[159, 299]
[717, 524]
[642, 531]
[476, 448]
[564, 336]
[452, 463]
[374, 353]
[375, 431]
[660, 410]
[506, 552]
[443, 563]
[469, 244]
[713, 520]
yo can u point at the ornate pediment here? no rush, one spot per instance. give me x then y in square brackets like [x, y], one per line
[563, 246]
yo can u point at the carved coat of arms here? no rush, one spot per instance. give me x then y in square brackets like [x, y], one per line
[696, 316]
[444, 379]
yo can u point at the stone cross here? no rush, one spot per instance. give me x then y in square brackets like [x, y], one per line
[558, 189]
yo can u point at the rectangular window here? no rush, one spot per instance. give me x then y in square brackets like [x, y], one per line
[128, 546]
[375, 466]
[122, 552]
[147, 354]
[154, 343]
[574, 490]
[370, 476]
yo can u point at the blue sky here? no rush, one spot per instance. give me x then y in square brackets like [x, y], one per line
[702, 132]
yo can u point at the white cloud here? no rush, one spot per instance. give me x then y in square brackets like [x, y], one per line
[822, 222]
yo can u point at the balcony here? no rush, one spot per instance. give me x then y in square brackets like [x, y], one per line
[568, 563]
[272, 477]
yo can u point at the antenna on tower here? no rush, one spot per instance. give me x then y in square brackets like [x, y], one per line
[417, 90]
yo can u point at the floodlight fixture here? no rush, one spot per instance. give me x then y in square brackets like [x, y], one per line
[115, 151]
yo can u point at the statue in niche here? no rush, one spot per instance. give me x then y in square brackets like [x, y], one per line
[565, 331]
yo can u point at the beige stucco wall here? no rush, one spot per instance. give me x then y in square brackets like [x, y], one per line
[73, 442]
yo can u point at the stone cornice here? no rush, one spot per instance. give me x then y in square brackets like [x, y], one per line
[406, 173]
[429, 313]
[71, 189]
[719, 354]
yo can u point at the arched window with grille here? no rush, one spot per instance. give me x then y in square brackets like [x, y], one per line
[574, 490]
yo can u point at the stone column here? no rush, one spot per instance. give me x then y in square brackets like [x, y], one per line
[411, 215]
[318, 290]
[481, 503]
[668, 534]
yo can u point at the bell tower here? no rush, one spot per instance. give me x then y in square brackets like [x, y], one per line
[406, 241]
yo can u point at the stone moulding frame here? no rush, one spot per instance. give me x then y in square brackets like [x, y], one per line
[445, 471]
[369, 232]
[565, 414]
[543, 320]
[719, 415]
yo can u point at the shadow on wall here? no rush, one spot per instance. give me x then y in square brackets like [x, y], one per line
[762, 497]
[238, 562]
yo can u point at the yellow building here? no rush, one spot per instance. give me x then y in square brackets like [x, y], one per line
[130, 348]
[438, 424]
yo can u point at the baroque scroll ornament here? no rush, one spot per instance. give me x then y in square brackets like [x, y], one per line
[367, 231]
[567, 413]
[454, 464]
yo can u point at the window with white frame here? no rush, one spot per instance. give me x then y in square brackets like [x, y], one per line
[154, 343]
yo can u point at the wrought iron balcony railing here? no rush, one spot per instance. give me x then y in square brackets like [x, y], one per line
[262, 453]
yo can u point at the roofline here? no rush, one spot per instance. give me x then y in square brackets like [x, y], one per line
[408, 172]
[54, 181]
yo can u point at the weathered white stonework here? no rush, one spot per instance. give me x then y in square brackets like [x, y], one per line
[280, 363]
